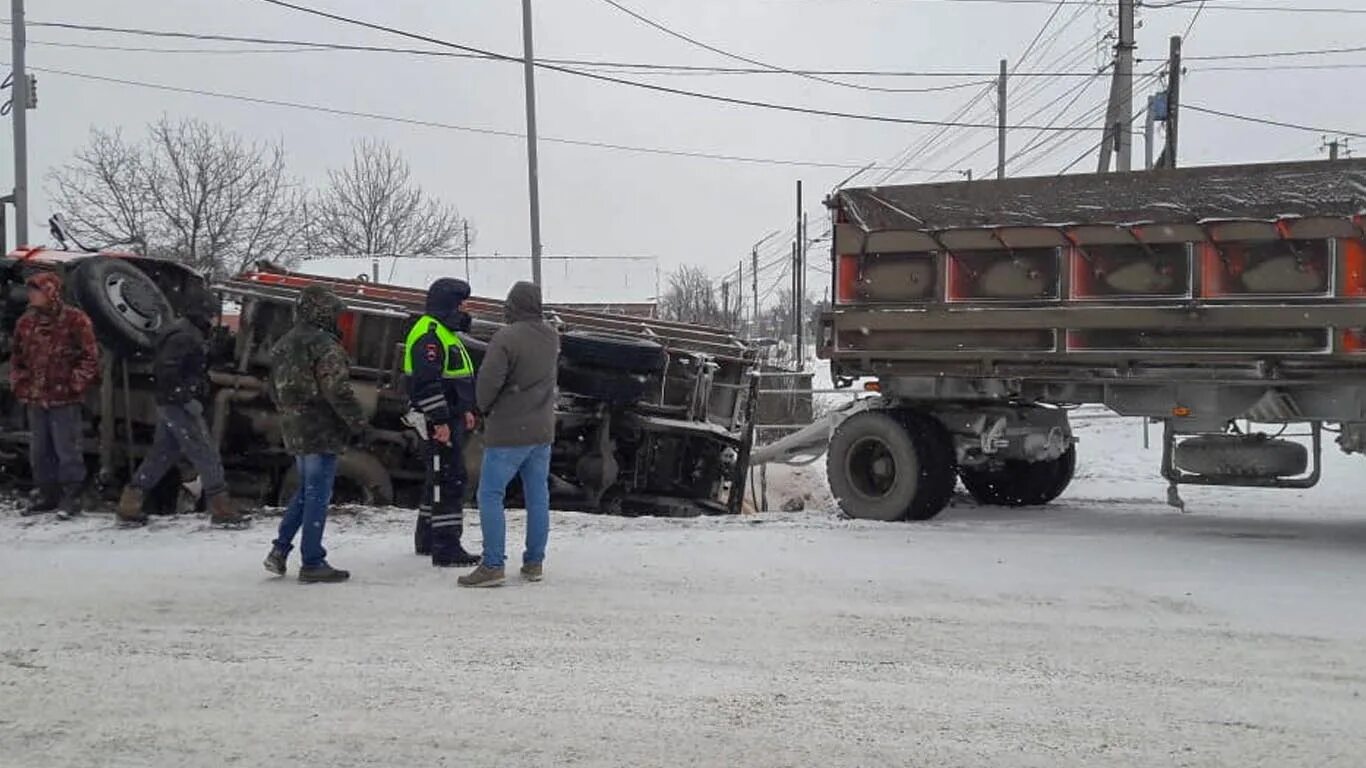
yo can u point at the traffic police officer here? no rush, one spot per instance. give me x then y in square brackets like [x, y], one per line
[441, 388]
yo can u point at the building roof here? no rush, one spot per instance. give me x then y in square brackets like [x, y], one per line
[597, 280]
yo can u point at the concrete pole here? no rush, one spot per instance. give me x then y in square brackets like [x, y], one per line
[1124, 68]
[1149, 132]
[1173, 103]
[19, 113]
[533, 175]
[1001, 121]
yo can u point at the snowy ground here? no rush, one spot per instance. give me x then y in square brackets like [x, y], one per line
[1105, 631]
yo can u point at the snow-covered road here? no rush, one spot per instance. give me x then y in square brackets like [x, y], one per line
[1107, 630]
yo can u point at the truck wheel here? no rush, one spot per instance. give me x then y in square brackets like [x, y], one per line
[885, 468]
[123, 301]
[939, 474]
[1021, 483]
[361, 479]
[613, 353]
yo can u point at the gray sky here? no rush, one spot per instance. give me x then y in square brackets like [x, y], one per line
[682, 210]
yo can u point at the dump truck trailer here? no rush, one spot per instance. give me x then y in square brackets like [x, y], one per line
[1227, 303]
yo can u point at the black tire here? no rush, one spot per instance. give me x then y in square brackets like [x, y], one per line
[1021, 483]
[887, 466]
[616, 353]
[1241, 456]
[123, 302]
[939, 473]
[612, 387]
[361, 479]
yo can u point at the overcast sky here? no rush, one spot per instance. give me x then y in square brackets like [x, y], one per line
[683, 210]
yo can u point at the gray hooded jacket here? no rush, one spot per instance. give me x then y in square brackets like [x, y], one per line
[516, 384]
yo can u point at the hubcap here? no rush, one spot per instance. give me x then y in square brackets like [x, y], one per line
[872, 468]
[135, 301]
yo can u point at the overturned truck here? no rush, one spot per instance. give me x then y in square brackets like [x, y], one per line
[1211, 300]
[652, 418]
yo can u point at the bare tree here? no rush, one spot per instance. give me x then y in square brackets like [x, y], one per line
[192, 192]
[691, 298]
[102, 192]
[373, 207]
[221, 203]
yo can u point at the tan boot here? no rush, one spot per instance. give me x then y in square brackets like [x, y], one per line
[483, 576]
[130, 507]
[224, 514]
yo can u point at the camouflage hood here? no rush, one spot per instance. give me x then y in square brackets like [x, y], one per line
[50, 285]
[319, 308]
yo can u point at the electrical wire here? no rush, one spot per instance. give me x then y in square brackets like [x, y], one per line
[714, 97]
[1268, 121]
[737, 57]
[448, 126]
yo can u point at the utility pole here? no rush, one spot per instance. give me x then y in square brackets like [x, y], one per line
[797, 248]
[1337, 148]
[1149, 133]
[1001, 122]
[725, 300]
[19, 112]
[467, 249]
[1173, 104]
[1124, 67]
[740, 293]
[533, 176]
[1119, 114]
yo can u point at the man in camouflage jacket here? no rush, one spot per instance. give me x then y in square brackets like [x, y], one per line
[55, 361]
[310, 381]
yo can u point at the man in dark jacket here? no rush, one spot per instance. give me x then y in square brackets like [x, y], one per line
[441, 388]
[55, 361]
[516, 395]
[310, 381]
[180, 368]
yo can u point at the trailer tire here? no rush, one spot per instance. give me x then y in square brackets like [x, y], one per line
[611, 352]
[1241, 456]
[939, 473]
[122, 301]
[361, 479]
[886, 466]
[1021, 483]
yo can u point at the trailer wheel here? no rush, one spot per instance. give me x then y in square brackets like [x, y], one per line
[1021, 483]
[885, 466]
[361, 479]
[613, 353]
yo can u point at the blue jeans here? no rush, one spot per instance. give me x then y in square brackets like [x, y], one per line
[308, 508]
[532, 463]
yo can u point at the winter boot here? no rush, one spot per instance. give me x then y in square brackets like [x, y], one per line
[533, 571]
[322, 574]
[275, 562]
[422, 534]
[224, 514]
[130, 507]
[46, 498]
[483, 576]
[70, 505]
[454, 557]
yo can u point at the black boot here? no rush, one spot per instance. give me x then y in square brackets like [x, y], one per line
[70, 505]
[453, 555]
[322, 574]
[45, 498]
[422, 534]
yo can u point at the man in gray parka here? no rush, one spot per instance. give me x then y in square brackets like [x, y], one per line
[515, 391]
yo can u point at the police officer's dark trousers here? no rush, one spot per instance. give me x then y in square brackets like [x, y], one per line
[443, 500]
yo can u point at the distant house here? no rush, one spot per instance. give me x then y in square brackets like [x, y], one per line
[627, 285]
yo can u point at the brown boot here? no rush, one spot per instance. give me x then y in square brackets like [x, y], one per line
[130, 507]
[224, 514]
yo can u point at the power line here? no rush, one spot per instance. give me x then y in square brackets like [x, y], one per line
[1276, 123]
[450, 126]
[737, 57]
[1276, 54]
[616, 80]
